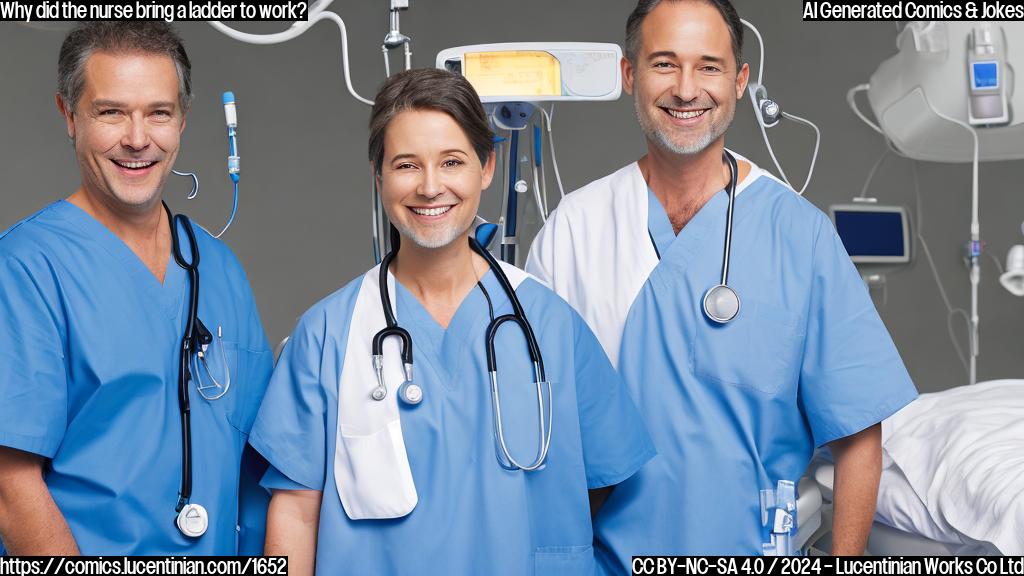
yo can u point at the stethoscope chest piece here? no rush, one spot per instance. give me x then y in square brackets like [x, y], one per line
[410, 393]
[721, 304]
[193, 520]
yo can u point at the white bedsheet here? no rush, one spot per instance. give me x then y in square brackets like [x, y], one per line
[961, 452]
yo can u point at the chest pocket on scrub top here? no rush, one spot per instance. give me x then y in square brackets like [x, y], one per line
[222, 382]
[563, 561]
[759, 350]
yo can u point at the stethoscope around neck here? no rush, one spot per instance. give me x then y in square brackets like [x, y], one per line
[721, 303]
[192, 519]
[412, 394]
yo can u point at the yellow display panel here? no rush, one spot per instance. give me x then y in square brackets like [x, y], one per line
[513, 73]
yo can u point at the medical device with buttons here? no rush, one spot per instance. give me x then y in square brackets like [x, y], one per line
[986, 63]
[873, 234]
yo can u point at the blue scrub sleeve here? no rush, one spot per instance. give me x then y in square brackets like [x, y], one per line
[252, 504]
[273, 479]
[615, 440]
[852, 376]
[290, 428]
[33, 374]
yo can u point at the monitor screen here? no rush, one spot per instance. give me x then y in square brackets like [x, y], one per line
[873, 235]
[985, 75]
[513, 73]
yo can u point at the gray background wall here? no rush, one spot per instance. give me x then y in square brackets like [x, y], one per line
[303, 228]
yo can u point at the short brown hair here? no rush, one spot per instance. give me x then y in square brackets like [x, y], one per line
[645, 7]
[429, 89]
[109, 36]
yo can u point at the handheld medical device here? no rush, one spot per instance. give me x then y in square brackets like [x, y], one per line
[986, 65]
[192, 519]
[234, 166]
[945, 73]
[412, 394]
[873, 234]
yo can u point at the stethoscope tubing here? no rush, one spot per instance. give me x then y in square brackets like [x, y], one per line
[518, 317]
[188, 343]
[733, 172]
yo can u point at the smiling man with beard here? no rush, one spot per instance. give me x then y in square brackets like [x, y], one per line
[736, 391]
[92, 314]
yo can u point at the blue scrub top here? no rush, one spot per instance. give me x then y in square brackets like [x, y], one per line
[735, 408]
[89, 353]
[473, 517]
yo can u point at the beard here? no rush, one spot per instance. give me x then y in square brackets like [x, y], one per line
[436, 238]
[662, 136]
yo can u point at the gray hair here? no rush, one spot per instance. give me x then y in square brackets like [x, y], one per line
[644, 7]
[119, 37]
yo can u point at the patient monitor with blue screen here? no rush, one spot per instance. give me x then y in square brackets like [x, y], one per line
[873, 234]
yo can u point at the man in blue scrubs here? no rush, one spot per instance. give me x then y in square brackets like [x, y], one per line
[368, 480]
[734, 407]
[92, 312]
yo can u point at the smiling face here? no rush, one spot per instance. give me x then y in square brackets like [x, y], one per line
[431, 178]
[126, 127]
[685, 83]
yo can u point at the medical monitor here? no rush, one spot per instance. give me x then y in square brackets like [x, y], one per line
[873, 234]
[538, 71]
[985, 75]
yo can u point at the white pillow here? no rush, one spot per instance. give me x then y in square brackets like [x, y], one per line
[961, 451]
[900, 507]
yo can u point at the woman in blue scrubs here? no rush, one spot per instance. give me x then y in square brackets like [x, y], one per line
[365, 482]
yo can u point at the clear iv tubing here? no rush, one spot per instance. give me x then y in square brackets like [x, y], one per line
[788, 116]
[295, 31]
[918, 226]
[851, 100]
[760, 43]
[234, 210]
[548, 116]
[975, 269]
[975, 273]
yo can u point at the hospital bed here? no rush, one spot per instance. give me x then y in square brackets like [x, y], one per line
[953, 475]
[884, 539]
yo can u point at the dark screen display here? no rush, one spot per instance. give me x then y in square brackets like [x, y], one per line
[871, 233]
